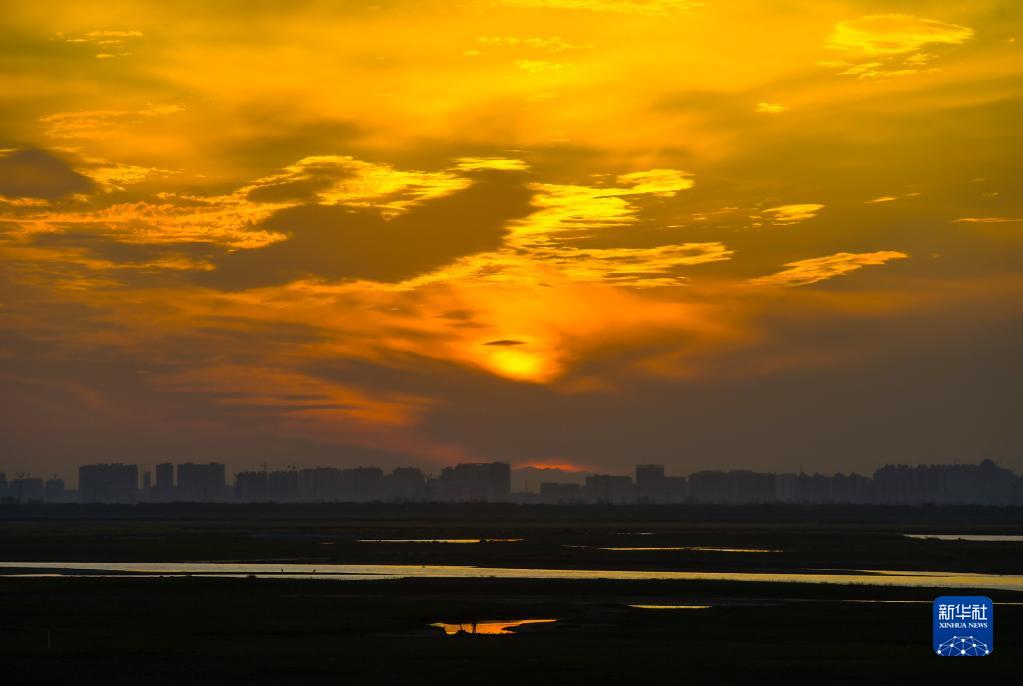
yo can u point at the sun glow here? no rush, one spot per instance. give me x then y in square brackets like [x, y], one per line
[355, 224]
[522, 365]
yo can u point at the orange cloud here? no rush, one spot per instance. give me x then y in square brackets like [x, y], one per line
[804, 272]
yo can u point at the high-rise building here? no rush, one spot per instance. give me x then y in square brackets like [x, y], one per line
[250, 487]
[852, 488]
[282, 486]
[362, 484]
[53, 490]
[480, 481]
[734, 487]
[108, 483]
[609, 488]
[26, 489]
[651, 484]
[552, 493]
[945, 484]
[649, 473]
[320, 485]
[165, 477]
[201, 482]
[985, 483]
[404, 484]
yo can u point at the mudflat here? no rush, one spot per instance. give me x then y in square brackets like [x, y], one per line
[165, 626]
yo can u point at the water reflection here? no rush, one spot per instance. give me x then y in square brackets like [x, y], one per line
[671, 607]
[439, 540]
[703, 549]
[991, 538]
[359, 572]
[893, 602]
[489, 627]
[643, 548]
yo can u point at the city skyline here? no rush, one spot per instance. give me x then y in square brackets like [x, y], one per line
[985, 483]
[525, 470]
[565, 342]
[560, 232]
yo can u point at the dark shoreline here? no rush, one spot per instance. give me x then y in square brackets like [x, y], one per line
[969, 516]
[794, 539]
[193, 630]
[214, 631]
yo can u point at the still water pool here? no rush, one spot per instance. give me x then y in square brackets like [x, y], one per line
[364, 572]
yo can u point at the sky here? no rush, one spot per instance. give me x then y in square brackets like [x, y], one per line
[774, 235]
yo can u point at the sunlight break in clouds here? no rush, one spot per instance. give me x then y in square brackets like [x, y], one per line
[507, 229]
[804, 272]
[791, 214]
[987, 220]
[770, 108]
[887, 45]
[662, 182]
[893, 34]
[643, 7]
[107, 41]
[102, 123]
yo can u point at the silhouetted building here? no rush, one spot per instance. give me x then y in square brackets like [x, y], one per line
[405, 484]
[201, 482]
[163, 489]
[552, 493]
[708, 487]
[677, 488]
[652, 486]
[785, 487]
[956, 484]
[362, 484]
[609, 488]
[26, 489]
[480, 481]
[813, 488]
[985, 483]
[251, 487]
[854, 489]
[319, 485]
[650, 483]
[282, 486]
[649, 473]
[108, 483]
[53, 490]
[735, 487]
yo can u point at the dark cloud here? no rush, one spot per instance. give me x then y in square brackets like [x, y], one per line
[457, 315]
[336, 242]
[117, 415]
[107, 247]
[33, 173]
[505, 341]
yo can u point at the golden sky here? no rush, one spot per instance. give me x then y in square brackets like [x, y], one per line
[583, 232]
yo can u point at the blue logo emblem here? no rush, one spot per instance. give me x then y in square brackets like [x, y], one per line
[964, 626]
